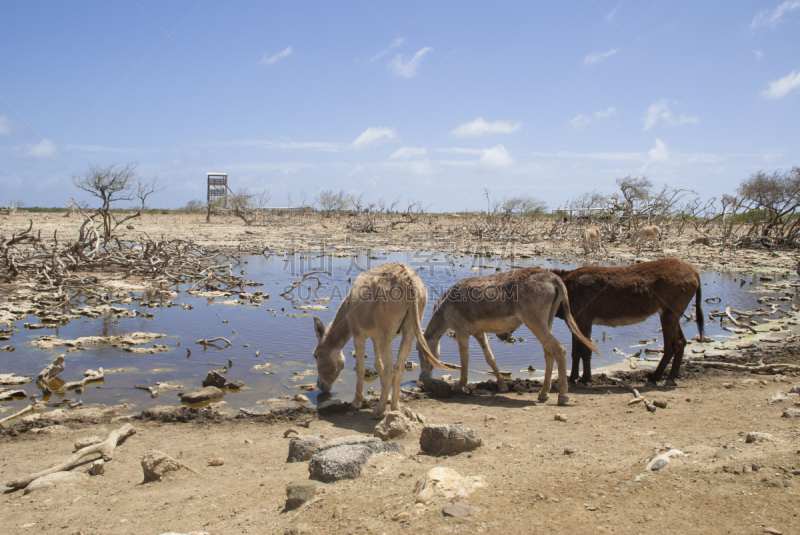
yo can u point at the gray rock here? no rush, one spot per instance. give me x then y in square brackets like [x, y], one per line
[299, 492]
[204, 394]
[658, 463]
[448, 439]
[344, 457]
[57, 479]
[155, 464]
[301, 448]
[234, 385]
[791, 413]
[459, 509]
[214, 378]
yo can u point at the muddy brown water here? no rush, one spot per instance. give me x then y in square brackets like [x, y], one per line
[284, 337]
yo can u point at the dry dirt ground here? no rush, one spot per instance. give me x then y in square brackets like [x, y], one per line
[723, 485]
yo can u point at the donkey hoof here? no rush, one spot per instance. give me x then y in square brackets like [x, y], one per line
[543, 397]
[563, 399]
[670, 382]
[650, 384]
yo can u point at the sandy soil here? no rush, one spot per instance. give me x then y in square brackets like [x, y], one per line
[723, 485]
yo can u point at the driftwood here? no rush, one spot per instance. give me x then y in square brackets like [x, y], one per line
[762, 368]
[105, 448]
[50, 373]
[27, 410]
[90, 377]
[308, 275]
[206, 343]
[737, 322]
[153, 391]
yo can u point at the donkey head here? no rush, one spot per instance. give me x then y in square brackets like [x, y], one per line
[330, 360]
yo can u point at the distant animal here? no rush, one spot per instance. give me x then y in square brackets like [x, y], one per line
[499, 303]
[384, 302]
[650, 232]
[616, 296]
[593, 237]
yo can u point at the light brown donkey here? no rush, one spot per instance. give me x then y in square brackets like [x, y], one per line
[384, 302]
[497, 304]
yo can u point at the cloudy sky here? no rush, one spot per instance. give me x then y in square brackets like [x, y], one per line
[432, 101]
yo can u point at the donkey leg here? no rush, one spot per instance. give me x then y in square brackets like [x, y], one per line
[406, 344]
[668, 324]
[386, 374]
[553, 351]
[361, 355]
[677, 358]
[484, 343]
[463, 350]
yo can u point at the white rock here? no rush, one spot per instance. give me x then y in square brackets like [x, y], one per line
[446, 483]
[57, 479]
[660, 461]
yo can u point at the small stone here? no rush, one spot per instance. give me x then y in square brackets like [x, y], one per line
[402, 515]
[97, 468]
[216, 461]
[299, 492]
[791, 413]
[234, 385]
[459, 510]
[660, 403]
[214, 378]
[772, 531]
[394, 424]
[560, 417]
[301, 398]
[441, 482]
[772, 482]
[411, 366]
[755, 437]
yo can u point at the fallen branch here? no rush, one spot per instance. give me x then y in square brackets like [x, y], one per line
[90, 377]
[27, 410]
[737, 322]
[206, 343]
[764, 368]
[310, 274]
[105, 448]
[622, 383]
[153, 391]
[50, 373]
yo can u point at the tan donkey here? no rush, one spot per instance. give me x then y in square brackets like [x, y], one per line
[497, 304]
[384, 302]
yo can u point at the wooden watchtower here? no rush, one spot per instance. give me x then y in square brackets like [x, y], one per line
[218, 187]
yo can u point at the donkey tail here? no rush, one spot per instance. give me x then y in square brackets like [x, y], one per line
[698, 308]
[573, 327]
[422, 344]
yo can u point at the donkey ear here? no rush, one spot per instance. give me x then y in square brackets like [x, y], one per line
[319, 328]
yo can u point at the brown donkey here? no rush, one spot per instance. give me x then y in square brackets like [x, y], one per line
[496, 304]
[615, 296]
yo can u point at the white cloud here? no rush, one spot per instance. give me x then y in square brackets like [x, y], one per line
[394, 44]
[269, 60]
[408, 69]
[404, 153]
[43, 149]
[659, 112]
[582, 120]
[771, 17]
[758, 54]
[479, 126]
[496, 156]
[597, 57]
[782, 86]
[5, 126]
[658, 155]
[372, 135]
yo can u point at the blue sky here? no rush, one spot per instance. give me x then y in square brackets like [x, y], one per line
[432, 101]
